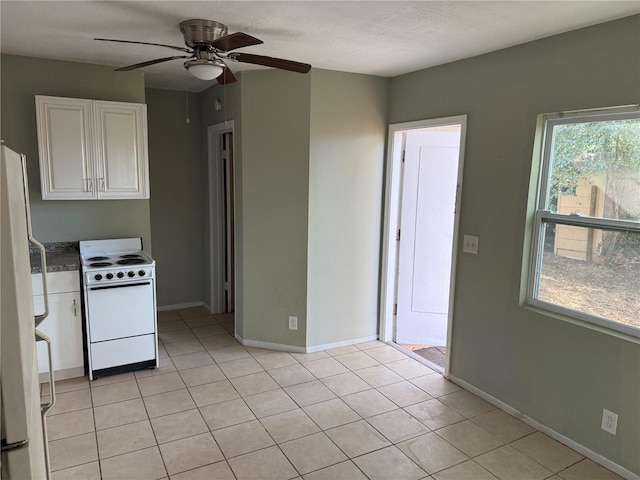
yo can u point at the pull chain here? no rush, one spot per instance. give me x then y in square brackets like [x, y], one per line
[186, 93]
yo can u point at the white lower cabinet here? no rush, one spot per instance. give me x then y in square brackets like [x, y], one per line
[63, 325]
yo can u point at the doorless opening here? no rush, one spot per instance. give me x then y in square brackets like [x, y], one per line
[424, 178]
[221, 217]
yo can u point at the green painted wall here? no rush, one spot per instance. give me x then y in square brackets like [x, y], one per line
[275, 188]
[560, 374]
[346, 160]
[54, 220]
[175, 165]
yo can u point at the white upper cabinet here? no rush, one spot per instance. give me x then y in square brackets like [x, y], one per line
[65, 142]
[92, 149]
[121, 150]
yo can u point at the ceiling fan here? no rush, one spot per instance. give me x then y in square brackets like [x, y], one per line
[208, 45]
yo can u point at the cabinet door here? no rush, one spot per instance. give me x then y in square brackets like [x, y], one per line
[63, 326]
[121, 150]
[65, 142]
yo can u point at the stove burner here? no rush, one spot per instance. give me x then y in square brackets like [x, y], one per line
[95, 259]
[131, 261]
[130, 255]
[101, 264]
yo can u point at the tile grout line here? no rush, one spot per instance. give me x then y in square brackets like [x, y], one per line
[438, 397]
[224, 458]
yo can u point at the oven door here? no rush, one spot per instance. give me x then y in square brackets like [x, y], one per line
[120, 310]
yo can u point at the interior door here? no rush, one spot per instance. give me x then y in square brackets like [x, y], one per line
[229, 255]
[221, 217]
[426, 235]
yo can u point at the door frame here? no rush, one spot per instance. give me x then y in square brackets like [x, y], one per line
[216, 213]
[392, 202]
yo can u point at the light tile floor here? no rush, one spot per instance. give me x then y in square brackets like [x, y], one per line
[218, 410]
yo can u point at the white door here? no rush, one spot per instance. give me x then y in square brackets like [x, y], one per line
[426, 235]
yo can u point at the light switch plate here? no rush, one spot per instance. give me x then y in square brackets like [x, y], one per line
[470, 244]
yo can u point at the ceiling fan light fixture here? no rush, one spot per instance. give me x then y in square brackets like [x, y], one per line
[205, 69]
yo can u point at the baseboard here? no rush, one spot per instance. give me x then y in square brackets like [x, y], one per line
[73, 372]
[270, 346]
[178, 306]
[596, 457]
[345, 343]
[294, 349]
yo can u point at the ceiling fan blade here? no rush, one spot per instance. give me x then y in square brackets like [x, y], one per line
[235, 40]
[182, 49]
[150, 62]
[270, 62]
[226, 77]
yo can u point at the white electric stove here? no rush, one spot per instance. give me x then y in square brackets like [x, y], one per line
[120, 306]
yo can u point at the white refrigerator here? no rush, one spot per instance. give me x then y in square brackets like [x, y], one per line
[22, 416]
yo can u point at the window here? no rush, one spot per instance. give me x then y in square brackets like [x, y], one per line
[586, 244]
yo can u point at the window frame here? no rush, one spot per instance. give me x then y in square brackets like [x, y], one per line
[542, 216]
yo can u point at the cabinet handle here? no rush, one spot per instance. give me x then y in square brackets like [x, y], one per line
[103, 187]
[90, 182]
[75, 308]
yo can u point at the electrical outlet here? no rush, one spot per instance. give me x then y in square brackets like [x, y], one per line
[609, 421]
[470, 244]
[293, 323]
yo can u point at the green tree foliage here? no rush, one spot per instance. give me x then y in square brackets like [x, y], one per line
[609, 149]
[593, 149]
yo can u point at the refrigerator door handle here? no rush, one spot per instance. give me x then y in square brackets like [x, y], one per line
[15, 445]
[44, 408]
[43, 262]
[52, 386]
[43, 256]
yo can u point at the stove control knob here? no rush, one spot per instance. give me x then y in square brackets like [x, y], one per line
[131, 274]
[142, 273]
[120, 274]
[109, 276]
[98, 277]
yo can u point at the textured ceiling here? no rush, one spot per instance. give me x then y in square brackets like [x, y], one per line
[386, 38]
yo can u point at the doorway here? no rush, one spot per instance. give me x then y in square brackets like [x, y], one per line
[221, 217]
[424, 179]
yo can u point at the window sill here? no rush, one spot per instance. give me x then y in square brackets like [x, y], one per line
[607, 327]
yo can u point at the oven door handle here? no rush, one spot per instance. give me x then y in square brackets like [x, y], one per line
[108, 287]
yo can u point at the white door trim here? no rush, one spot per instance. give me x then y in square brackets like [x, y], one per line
[393, 188]
[216, 214]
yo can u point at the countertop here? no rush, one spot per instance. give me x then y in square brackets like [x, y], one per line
[61, 257]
